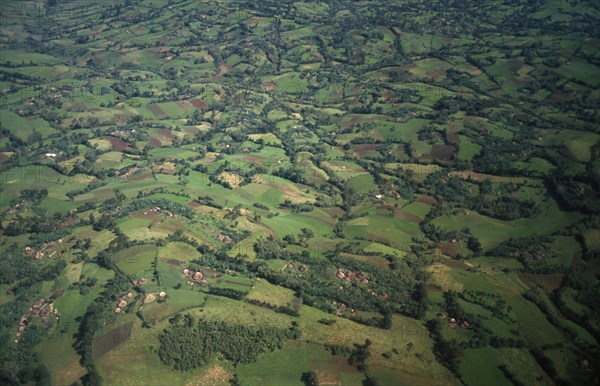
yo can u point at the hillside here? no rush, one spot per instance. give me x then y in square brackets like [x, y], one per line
[282, 192]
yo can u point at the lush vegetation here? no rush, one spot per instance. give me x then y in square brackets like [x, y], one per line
[299, 192]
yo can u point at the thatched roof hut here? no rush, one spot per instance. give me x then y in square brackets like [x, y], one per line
[117, 310]
[149, 299]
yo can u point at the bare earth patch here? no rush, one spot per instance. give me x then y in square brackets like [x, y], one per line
[427, 200]
[443, 152]
[214, 376]
[117, 143]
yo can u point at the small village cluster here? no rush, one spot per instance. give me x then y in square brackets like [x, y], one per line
[48, 249]
[39, 309]
[351, 276]
[157, 209]
[194, 277]
[453, 322]
[300, 267]
[131, 171]
[123, 302]
[341, 307]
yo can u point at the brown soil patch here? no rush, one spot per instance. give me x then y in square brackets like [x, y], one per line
[443, 152]
[157, 111]
[329, 373]
[548, 282]
[163, 170]
[436, 73]
[86, 234]
[165, 133]
[153, 141]
[427, 200]
[173, 262]
[399, 214]
[449, 249]
[197, 103]
[138, 177]
[185, 105]
[117, 143]
[255, 160]
[559, 97]
[452, 136]
[269, 86]
[194, 204]
[211, 377]
[364, 149]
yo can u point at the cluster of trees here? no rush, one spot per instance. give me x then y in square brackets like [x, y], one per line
[23, 271]
[186, 344]
[458, 193]
[21, 364]
[89, 187]
[297, 207]
[93, 321]
[163, 204]
[534, 252]
[447, 352]
[291, 308]
[209, 201]
[575, 192]
[491, 302]
[582, 278]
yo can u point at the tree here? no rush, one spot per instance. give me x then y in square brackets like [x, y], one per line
[448, 352]
[370, 381]
[310, 378]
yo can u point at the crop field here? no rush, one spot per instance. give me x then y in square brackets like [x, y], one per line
[329, 184]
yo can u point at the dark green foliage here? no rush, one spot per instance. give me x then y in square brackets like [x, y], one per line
[227, 292]
[448, 353]
[163, 204]
[297, 208]
[310, 378]
[185, 347]
[532, 251]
